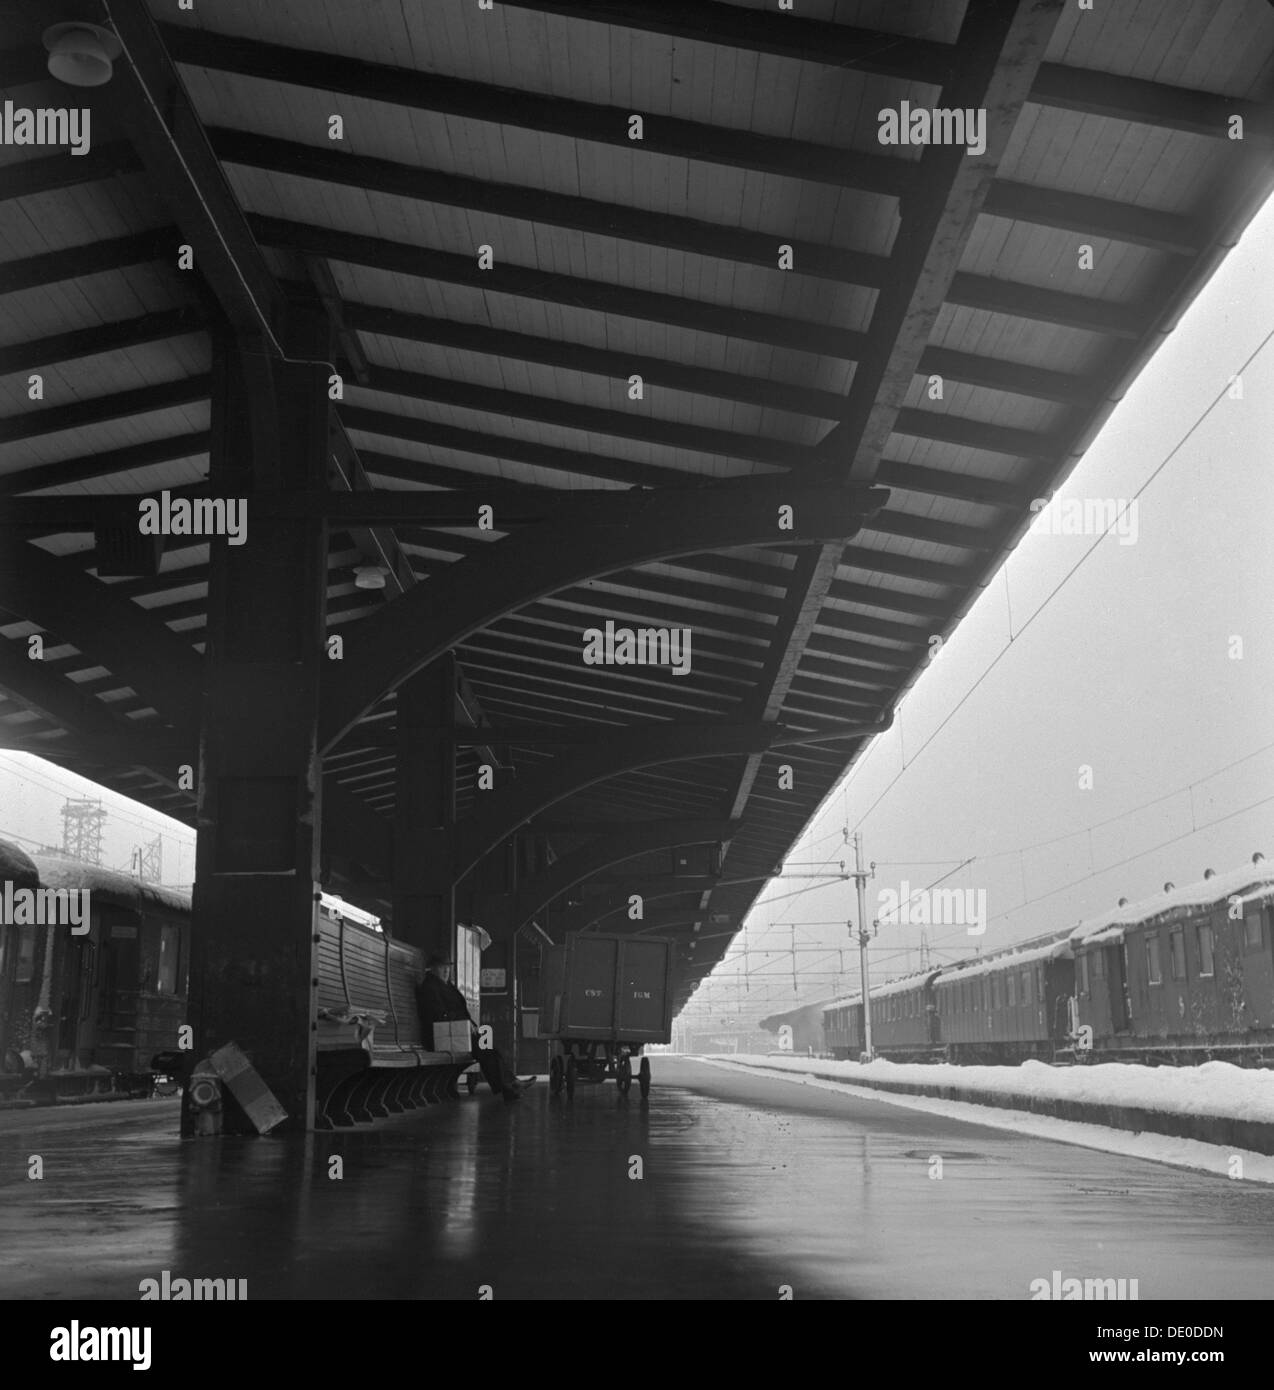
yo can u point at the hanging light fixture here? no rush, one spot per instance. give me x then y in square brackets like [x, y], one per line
[370, 576]
[82, 55]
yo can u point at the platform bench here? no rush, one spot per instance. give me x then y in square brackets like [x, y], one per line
[371, 1059]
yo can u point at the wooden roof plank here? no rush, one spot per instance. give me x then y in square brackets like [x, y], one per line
[530, 204]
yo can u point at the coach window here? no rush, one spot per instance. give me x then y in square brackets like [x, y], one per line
[1152, 959]
[1252, 929]
[1099, 965]
[1012, 979]
[26, 955]
[1177, 949]
[1081, 972]
[1203, 935]
[169, 950]
[1026, 986]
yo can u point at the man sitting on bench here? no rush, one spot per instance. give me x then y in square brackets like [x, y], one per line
[439, 1001]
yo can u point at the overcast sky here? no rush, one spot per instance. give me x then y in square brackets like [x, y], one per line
[1128, 670]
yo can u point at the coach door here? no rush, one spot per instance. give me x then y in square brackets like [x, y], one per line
[76, 998]
[1117, 986]
[1257, 941]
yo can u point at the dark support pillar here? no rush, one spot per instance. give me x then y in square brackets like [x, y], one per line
[259, 783]
[424, 892]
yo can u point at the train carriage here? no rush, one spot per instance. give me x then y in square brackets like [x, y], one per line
[1008, 1007]
[88, 1005]
[904, 1021]
[843, 1027]
[1184, 977]
[19, 974]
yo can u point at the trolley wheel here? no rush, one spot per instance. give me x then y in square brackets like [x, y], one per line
[572, 1074]
[624, 1074]
[555, 1075]
[471, 1082]
[643, 1077]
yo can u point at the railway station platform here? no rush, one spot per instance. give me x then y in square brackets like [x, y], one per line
[747, 1186]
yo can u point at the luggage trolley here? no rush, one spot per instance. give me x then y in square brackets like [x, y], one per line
[605, 997]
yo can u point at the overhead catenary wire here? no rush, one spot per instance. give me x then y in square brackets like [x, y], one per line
[1057, 588]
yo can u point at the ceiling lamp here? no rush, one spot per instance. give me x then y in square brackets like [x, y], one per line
[370, 577]
[82, 55]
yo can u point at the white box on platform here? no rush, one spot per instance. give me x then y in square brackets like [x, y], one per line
[453, 1037]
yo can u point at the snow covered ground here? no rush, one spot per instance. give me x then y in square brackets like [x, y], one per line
[1213, 1089]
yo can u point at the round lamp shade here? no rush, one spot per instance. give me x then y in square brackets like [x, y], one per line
[370, 577]
[81, 55]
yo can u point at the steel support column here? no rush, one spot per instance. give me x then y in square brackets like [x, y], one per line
[425, 808]
[259, 815]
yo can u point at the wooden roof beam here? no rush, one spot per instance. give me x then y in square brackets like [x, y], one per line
[31, 424]
[582, 418]
[52, 173]
[523, 282]
[102, 465]
[759, 31]
[146, 99]
[529, 282]
[595, 361]
[77, 262]
[508, 808]
[527, 110]
[974, 434]
[1149, 103]
[102, 338]
[920, 60]
[1095, 217]
[529, 204]
[1000, 47]
[389, 426]
[611, 533]
[1017, 300]
[960, 487]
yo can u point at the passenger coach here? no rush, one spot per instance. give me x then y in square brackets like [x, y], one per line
[1187, 976]
[1009, 1007]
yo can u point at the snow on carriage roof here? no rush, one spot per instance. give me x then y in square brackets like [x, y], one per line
[1005, 960]
[1249, 883]
[58, 872]
[904, 985]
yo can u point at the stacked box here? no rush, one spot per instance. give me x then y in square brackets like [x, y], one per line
[453, 1037]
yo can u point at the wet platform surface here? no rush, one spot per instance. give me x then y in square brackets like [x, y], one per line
[746, 1184]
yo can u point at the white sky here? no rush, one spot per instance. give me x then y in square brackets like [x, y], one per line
[1126, 670]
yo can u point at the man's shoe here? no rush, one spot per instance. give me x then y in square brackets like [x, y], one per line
[525, 1081]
